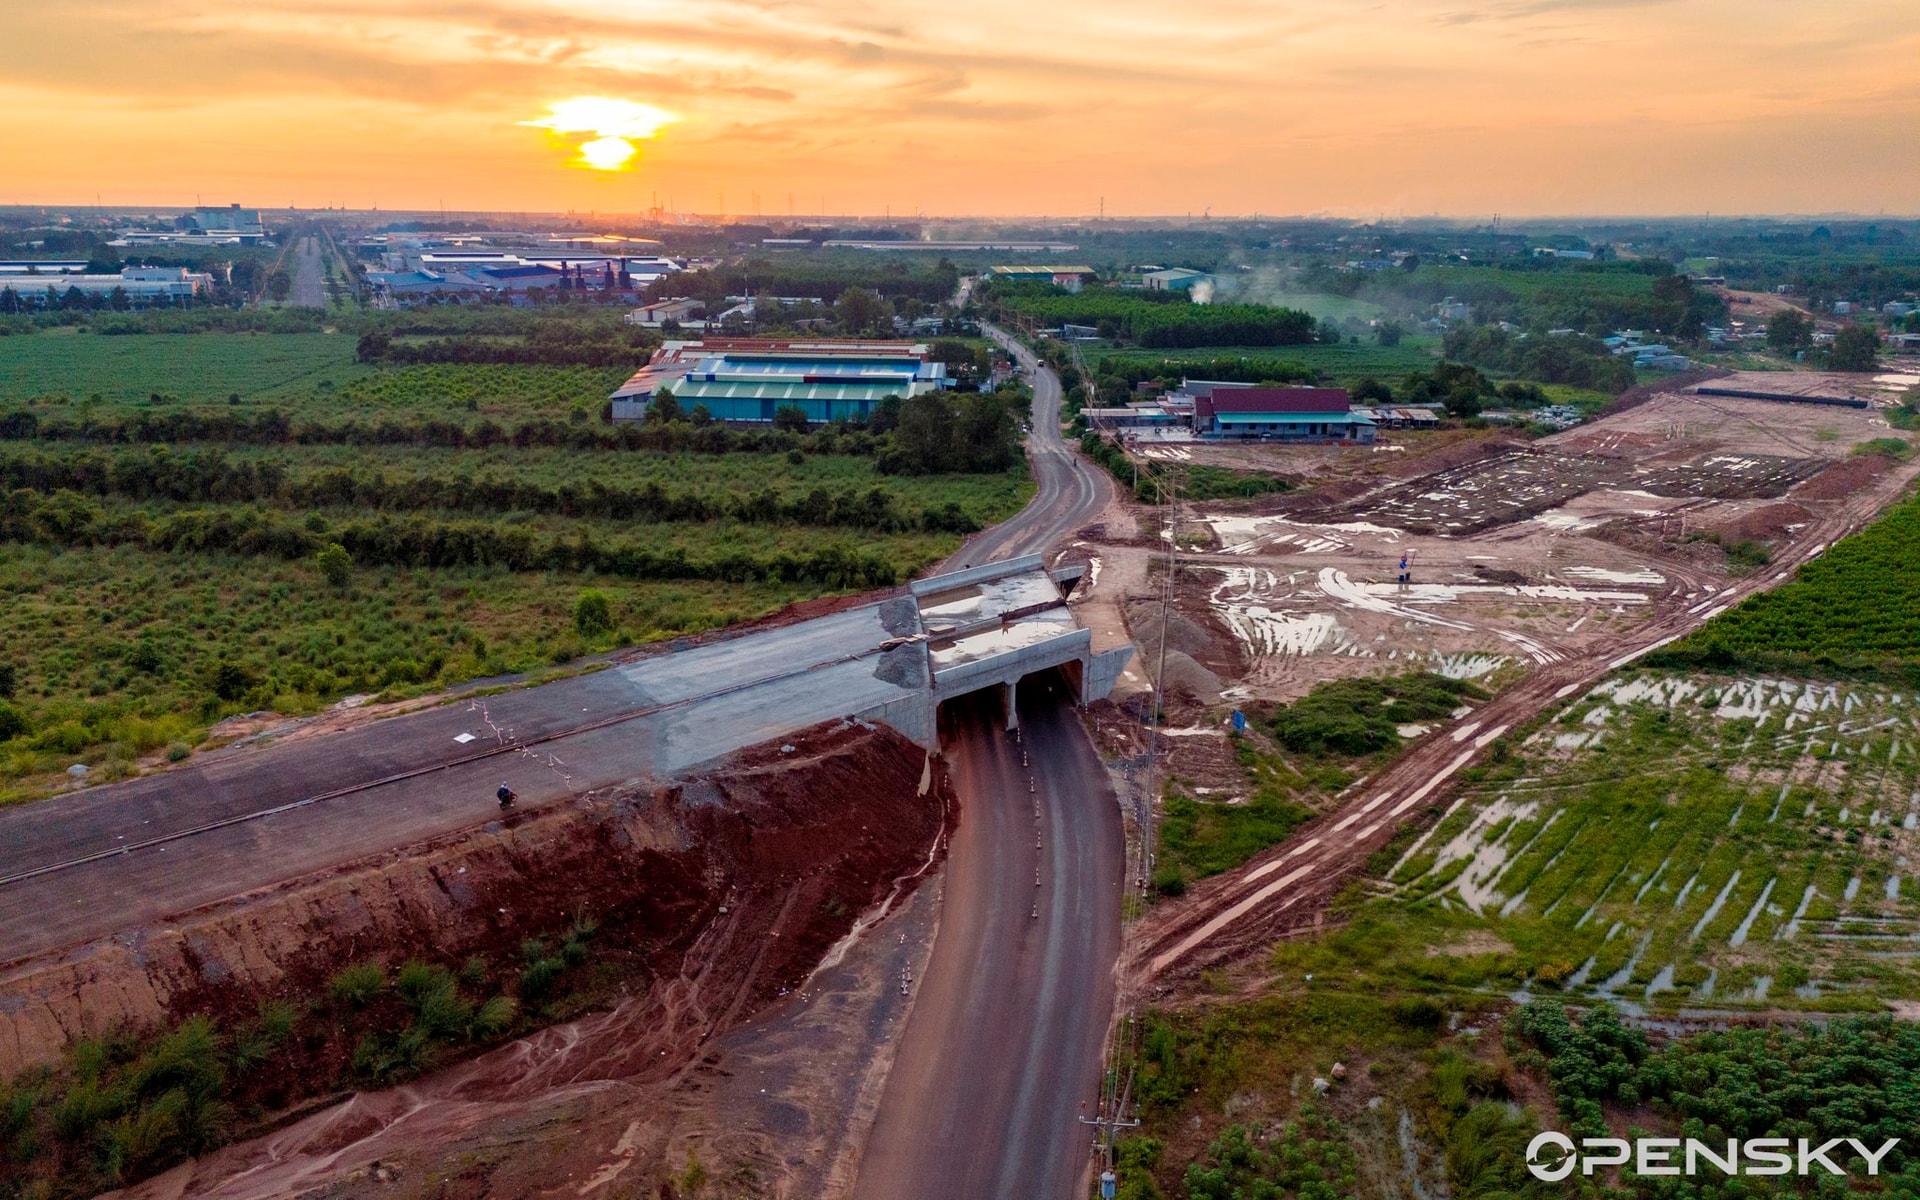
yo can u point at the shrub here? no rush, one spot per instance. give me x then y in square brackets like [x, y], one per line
[357, 985]
[494, 1018]
[593, 614]
[336, 565]
[230, 680]
[12, 724]
[537, 980]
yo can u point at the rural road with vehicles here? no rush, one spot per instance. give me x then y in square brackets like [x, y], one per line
[1072, 491]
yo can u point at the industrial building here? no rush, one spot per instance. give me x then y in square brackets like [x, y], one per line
[207, 225]
[1174, 279]
[1309, 414]
[1072, 278]
[749, 379]
[140, 285]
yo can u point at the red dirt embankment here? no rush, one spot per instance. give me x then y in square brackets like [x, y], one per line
[711, 896]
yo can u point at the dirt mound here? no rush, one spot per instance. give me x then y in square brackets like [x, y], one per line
[1844, 477]
[1189, 678]
[1183, 632]
[1198, 653]
[751, 871]
[1769, 524]
[1635, 396]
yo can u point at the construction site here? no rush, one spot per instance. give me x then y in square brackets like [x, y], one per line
[748, 846]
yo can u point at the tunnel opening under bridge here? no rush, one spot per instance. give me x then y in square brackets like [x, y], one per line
[1003, 700]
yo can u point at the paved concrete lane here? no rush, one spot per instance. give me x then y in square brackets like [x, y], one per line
[1004, 1042]
[330, 798]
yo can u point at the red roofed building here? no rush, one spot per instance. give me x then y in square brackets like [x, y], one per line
[1293, 413]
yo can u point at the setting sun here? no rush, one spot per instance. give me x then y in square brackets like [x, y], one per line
[616, 124]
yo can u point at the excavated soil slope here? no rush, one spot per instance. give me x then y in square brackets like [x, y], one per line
[712, 896]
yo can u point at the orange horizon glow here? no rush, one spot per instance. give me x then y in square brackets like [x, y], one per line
[1233, 107]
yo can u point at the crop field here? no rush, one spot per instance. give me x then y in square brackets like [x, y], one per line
[1674, 841]
[202, 368]
[661, 485]
[1851, 608]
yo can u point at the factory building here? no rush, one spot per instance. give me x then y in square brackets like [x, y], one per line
[1070, 277]
[1286, 413]
[140, 285]
[749, 379]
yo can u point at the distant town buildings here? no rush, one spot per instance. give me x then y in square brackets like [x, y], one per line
[207, 225]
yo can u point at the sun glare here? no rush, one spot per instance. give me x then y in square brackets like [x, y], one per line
[616, 124]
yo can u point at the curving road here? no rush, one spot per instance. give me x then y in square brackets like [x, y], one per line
[1001, 1053]
[1072, 490]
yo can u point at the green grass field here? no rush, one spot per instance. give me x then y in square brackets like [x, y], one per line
[1849, 611]
[192, 368]
[149, 590]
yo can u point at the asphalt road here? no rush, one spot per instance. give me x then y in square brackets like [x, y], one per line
[309, 275]
[1001, 1054]
[1072, 491]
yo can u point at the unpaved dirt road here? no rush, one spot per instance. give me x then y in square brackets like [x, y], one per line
[1287, 887]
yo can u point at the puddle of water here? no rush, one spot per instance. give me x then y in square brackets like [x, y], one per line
[1746, 925]
[1713, 910]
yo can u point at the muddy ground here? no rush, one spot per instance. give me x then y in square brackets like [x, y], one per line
[1518, 554]
[716, 899]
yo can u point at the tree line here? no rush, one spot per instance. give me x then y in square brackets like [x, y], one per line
[68, 518]
[273, 427]
[552, 345]
[1114, 378]
[1576, 360]
[209, 476]
[1171, 323]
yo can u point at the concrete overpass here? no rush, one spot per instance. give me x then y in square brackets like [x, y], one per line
[991, 626]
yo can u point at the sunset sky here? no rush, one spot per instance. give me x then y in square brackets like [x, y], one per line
[985, 107]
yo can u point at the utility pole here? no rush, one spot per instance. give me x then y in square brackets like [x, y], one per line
[1110, 1118]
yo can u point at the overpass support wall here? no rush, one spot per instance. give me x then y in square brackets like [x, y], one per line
[1102, 672]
